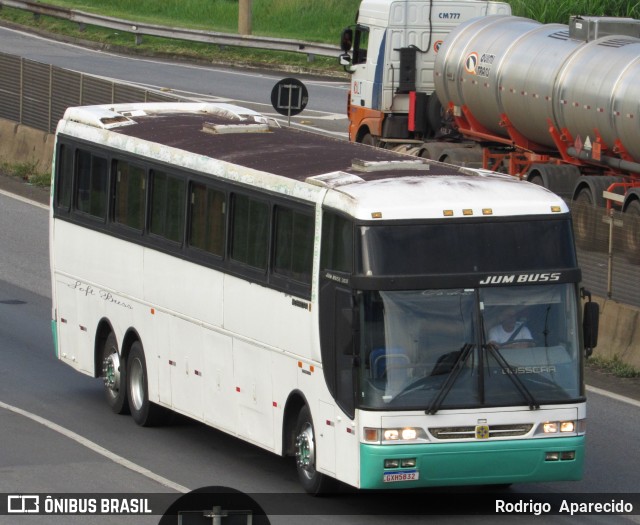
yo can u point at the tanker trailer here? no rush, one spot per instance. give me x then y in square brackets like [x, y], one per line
[555, 104]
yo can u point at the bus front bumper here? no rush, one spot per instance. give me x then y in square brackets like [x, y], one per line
[471, 463]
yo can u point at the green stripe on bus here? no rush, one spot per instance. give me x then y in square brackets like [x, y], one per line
[476, 463]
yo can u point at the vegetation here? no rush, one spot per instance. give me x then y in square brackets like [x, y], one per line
[29, 172]
[559, 12]
[614, 366]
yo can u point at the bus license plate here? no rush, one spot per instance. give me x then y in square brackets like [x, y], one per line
[405, 475]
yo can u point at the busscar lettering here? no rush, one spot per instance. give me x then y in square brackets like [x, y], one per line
[517, 370]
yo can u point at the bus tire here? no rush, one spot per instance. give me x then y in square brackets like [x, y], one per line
[114, 376]
[311, 480]
[144, 413]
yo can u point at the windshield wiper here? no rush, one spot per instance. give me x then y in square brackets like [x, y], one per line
[493, 350]
[446, 387]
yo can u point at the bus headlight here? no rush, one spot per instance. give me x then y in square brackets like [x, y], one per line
[564, 427]
[393, 435]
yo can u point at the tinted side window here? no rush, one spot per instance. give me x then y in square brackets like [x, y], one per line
[250, 241]
[206, 230]
[294, 234]
[91, 197]
[64, 167]
[337, 243]
[130, 201]
[167, 206]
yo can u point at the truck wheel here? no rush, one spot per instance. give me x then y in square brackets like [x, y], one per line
[144, 413]
[368, 140]
[114, 376]
[311, 480]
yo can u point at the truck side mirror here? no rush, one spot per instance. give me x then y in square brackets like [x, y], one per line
[590, 323]
[346, 40]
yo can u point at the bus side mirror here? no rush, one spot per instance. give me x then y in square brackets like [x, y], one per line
[590, 323]
[346, 40]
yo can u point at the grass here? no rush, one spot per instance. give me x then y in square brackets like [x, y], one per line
[317, 21]
[614, 366]
[29, 172]
[559, 12]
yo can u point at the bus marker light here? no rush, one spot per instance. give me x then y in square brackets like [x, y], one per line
[371, 435]
[153, 311]
[487, 211]
[376, 215]
[556, 209]
[467, 212]
[447, 213]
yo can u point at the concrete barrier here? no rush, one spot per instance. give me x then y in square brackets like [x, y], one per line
[619, 332]
[619, 323]
[22, 144]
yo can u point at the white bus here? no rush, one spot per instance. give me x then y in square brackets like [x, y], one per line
[320, 299]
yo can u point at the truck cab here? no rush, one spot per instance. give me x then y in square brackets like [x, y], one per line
[393, 48]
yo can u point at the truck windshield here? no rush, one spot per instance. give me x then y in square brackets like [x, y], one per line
[510, 346]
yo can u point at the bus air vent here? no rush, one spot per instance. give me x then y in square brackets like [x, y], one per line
[224, 129]
[369, 166]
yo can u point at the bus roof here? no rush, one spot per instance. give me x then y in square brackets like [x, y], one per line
[368, 183]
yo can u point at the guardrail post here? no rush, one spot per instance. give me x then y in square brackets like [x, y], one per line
[244, 17]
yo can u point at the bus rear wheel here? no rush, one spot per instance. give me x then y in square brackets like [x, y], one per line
[114, 376]
[144, 413]
[311, 480]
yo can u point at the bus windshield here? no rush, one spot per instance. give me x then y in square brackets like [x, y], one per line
[469, 348]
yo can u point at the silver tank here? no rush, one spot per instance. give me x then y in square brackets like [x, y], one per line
[534, 73]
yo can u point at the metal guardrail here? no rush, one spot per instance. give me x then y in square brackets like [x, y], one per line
[139, 29]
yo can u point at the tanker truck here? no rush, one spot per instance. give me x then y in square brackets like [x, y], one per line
[465, 82]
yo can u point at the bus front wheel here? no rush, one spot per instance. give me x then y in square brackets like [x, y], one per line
[311, 480]
[114, 376]
[144, 413]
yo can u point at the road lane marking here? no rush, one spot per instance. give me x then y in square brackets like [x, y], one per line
[97, 448]
[611, 395]
[24, 199]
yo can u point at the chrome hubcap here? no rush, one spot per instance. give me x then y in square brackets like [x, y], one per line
[111, 372]
[305, 450]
